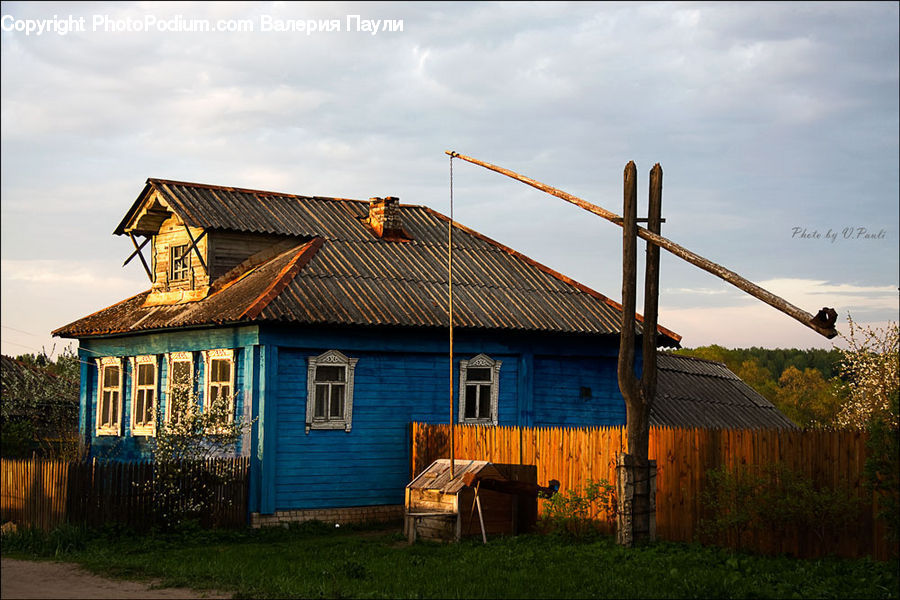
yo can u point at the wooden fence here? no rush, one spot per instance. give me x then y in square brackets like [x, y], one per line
[572, 456]
[46, 493]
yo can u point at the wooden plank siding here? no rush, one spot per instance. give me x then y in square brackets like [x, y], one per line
[229, 249]
[128, 447]
[172, 233]
[369, 465]
[45, 493]
[574, 455]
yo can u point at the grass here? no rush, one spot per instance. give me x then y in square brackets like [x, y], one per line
[317, 561]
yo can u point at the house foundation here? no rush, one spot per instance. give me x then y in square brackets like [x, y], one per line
[350, 514]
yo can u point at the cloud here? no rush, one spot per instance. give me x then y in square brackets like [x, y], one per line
[764, 117]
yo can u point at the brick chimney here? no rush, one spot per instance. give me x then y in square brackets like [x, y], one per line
[384, 217]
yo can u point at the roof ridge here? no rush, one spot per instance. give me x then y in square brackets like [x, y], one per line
[695, 358]
[280, 281]
[226, 188]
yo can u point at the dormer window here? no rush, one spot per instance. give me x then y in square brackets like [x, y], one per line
[179, 262]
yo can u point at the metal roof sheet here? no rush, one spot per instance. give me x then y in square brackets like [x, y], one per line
[354, 277]
[692, 392]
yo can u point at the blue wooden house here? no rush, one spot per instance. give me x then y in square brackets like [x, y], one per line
[324, 322]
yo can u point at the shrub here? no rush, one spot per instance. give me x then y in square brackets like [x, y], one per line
[574, 512]
[775, 498]
[882, 471]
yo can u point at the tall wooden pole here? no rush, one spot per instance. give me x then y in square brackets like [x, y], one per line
[822, 323]
[450, 319]
[651, 311]
[635, 471]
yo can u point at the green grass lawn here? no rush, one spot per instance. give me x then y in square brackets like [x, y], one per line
[314, 561]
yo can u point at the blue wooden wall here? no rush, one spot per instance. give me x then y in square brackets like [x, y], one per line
[401, 376]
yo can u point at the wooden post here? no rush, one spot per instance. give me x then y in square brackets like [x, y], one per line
[635, 472]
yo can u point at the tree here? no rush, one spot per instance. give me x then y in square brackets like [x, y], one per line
[40, 405]
[806, 398]
[869, 370]
[757, 377]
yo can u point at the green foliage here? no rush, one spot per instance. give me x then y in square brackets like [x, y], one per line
[882, 469]
[806, 398]
[64, 540]
[284, 563]
[802, 384]
[39, 408]
[753, 498]
[183, 485]
[730, 496]
[575, 512]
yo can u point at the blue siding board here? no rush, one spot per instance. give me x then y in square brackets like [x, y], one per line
[401, 376]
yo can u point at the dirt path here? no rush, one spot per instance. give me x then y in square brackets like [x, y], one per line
[34, 579]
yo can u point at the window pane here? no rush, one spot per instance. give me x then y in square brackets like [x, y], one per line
[478, 374]
[213, 395]
[114, 407]
[471, 401]
[104, 409]
[221, 370]
[181, 373]
[149, 406]
[321, 401]
[111, 377]
[337, 402]
[145, 374]
[139, 406]
[330, 373]
[484, 404]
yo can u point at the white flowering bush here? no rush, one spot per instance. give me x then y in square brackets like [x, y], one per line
[869, 370]
[187, 484]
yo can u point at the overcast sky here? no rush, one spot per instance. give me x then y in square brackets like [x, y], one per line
[768, 119]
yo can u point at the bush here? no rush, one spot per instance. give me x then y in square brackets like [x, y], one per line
[882, 469]
[574, 512]
[63, 540]
[775, 498]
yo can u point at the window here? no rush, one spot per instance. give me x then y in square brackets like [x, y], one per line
[479, 382]
[180, 394]
[109, 396]
[179, 263]
[143, 395]
[220, 383]
[329, 393]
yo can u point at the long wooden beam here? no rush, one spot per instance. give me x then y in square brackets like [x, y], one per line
[822, 323]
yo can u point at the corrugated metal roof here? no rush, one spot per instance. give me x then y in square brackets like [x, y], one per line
[356, 278]
[692, 392]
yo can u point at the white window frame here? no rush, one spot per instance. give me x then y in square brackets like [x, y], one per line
[331, 358]
[102, 365]
[176, 357]
[184, 260]
[208, 357]
[136, 361]
[481, 361]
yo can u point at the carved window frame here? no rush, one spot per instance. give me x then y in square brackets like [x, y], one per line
[208, 357]
[480, 361]
[331, 358]
[115, 425]
[136, 363]
[172, 359]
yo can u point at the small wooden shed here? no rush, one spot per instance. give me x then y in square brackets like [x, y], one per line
[440, 508]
